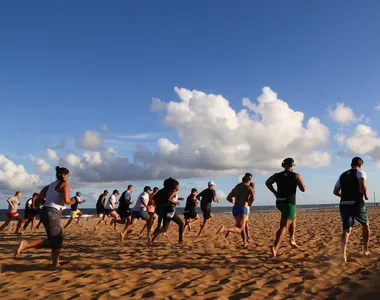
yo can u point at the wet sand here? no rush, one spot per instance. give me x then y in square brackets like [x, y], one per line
[209, 267]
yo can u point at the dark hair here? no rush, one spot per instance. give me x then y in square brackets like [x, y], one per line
[246, 179]
[356, 161]
[287, 162]
[18, 192]
[155, 189]
[105, 192]
[248, 175]
[115, 192]
[147, 188]
[193, 190]
[60, 171]
[130, 186]
[170, 183]
[35, 195]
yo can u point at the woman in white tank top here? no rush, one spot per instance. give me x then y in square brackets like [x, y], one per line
[57, 196]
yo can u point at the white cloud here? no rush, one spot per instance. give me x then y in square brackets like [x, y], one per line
[340, 138]
[14, 177]
[364, 141]
[39, 164]
[52, 154]
[343, 114]
[138, 136]
[90, 140]
[377, 107]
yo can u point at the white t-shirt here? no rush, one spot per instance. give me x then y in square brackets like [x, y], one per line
[111, 202]
[359, 174]
[139, 206]
[14, 204]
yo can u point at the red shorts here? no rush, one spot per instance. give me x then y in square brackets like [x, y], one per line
[12, 214]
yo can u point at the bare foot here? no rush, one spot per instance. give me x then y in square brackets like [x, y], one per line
[221, 230]
[249, 239]
[344, 259]
[274, 252]
[294, 244]
[19, 249]
[121, 237]
[366, 252]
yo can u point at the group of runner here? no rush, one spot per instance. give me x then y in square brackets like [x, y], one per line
[159, 206]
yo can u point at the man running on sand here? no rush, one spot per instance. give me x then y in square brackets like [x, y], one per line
[190, 214]
[30, 212]
[151, 211]
[287, 182]
[138, 211]
[13, 204]
[208, 196]
[109, 209]
[123, 209]
[74, 209]
[241, 196]
[351, 188]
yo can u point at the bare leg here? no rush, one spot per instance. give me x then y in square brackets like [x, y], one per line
[366, 236]
[344, 242]
[5, 224]
[103, 220]
[143, 229]
[127, 228]
[79, 216]
[19, 224]
[68, 223]
[238, 228]
[205, 222]
[55, 257]
[292, 230]
[284, 225]
[39, 224]
[28, 221]
[24, 245]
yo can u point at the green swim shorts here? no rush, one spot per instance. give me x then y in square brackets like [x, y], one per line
[288, 210]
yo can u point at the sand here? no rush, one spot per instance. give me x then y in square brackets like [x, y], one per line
[202, 268]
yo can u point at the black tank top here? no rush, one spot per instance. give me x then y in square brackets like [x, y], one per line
[286, 187]
[350, 189]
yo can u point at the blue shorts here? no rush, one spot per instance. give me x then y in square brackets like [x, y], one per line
[240, 211]
[350, 213]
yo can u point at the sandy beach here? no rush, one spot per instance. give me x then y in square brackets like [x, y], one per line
[209, 267]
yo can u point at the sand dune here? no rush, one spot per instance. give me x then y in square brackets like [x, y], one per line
[202, 268]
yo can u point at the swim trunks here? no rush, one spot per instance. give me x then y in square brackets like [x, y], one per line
[108, 211]
[74, 213]
[350, 213]
[12, 214]
[124, 212]
[190, 214]
[140, 215]
[206, 210]
[288, 210]
[239, 211]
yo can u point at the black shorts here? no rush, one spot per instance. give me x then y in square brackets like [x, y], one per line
[206, 210]
[190, 215]
[350, 213]
[124, 212]
[99, 209]
[108, 211]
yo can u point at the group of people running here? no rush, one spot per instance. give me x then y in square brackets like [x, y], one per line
[159, 206]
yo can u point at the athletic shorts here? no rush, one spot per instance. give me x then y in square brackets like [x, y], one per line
[239, 211]
[288, 210]
[74, 213]
[350, 213]
[51, 218]
[12, 214]
[124, 212]
[108, 211]
[206, 210]
[99, 209]
[140, 215]
[151, 214]
[190, 214]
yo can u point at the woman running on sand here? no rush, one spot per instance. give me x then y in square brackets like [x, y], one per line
[57, 196]
[109, 209]
[30, 212]
[13, 204]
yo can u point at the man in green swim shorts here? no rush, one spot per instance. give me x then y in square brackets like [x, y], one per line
[287, 182]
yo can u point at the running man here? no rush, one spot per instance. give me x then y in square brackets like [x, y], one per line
[190, 214]
[208, 196]
[123, 209]
[109, 209]
[74, 209]
[139, 211]
[101, 203]
[287, 182]
[351, 188]
[30, 212]
[152, 212]
[241, 196]
[13, 204]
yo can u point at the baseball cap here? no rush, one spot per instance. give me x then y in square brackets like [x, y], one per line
[211, 183]
[78, 193]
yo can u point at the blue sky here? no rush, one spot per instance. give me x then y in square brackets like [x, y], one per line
[69, 67]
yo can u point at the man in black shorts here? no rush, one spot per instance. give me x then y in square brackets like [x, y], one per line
[101, 202]
[190, 214]
[351, 187]
[30, 212]
[208, 196]
[123, 209]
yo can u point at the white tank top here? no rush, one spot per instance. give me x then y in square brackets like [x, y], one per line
[54, 199]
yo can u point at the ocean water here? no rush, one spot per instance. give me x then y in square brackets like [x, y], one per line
[214, 209]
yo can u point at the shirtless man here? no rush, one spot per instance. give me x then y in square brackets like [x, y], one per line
[287, 182]
[208, 196]
[13, 204]
[241, 196]
[351, 187]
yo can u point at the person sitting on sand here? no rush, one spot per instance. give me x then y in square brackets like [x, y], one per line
[123, 209]
[13, 204]
[109, 209]
[241, 196]
[138, 211]
[169, 201]
[30, 212]
[74, 209]
[189, 213]
[287, 182]
[351, 187]
[57, 197]
[207, 196]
